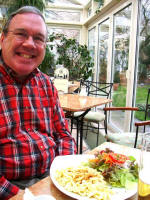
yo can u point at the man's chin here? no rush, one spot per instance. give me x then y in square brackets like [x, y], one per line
[24, 70]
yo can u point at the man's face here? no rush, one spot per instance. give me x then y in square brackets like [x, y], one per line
[23, 53]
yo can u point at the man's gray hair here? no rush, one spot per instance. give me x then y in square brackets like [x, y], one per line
[24, 9]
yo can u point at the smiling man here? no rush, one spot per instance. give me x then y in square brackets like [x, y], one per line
[33, 128]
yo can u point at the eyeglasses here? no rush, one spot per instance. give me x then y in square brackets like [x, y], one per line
[22, 35]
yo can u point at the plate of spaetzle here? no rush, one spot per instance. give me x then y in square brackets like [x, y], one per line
[72, 176]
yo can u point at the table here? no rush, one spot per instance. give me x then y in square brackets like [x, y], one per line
[46, 186]
[74, 103]
[73, 86]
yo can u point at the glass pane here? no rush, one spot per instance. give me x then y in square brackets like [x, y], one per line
[66, 2]
[91, 43]
[89, 12]
[143, 74]
[103, 50]
[120, 62]
[69, 33]
[62, 15]
[3, 11]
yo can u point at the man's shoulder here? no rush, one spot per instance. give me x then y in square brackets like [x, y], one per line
[43, 76]
[46, 80]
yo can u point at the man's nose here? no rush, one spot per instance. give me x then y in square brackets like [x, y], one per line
[29, 41]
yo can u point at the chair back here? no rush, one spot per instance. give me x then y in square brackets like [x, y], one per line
[61, 85]
[138, 124]
[147, 107]
[124, 137]
[61, 72]
[97, 88]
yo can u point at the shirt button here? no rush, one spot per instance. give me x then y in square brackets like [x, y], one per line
[28, 129]
[41, 147]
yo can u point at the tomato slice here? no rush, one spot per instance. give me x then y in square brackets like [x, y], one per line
[118, 158]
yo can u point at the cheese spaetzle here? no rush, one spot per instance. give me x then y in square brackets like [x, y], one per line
[84, 181]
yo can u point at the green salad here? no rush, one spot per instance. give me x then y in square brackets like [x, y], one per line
[117, 169]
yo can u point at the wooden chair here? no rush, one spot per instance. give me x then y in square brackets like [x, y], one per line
[131, 139]
[97, 89]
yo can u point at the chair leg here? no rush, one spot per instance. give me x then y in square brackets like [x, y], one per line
[97, 136]
[71, 124]
[136, 136]
[77, 136]
[86, 130]
[105, 123]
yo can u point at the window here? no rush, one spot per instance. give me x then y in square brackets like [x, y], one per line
[91, 43]
[68, 32]
[120, 62]
[89, 12]
[143, 72]
[103, 50]
[64, 2]
[62, 15]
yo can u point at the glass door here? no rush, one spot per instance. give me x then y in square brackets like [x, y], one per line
[121, 41]
[103, 51]
[91, 45]
[143, 67]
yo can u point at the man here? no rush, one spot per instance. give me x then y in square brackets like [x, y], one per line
[33, 129]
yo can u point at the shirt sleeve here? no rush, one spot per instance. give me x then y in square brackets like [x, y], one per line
[7, 190]
[66, 144]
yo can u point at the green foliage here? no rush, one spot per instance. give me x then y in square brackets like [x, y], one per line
[141, 96]
[15, 4]
[73, 56]
[117, 77]
[100, 2]
[48, 64]
[119, 97]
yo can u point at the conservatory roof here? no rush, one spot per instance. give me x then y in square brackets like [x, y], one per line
[71, 2]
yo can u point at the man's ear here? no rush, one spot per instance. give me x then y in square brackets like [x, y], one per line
[2, 38]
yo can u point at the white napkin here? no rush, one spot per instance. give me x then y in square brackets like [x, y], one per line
[28, 195]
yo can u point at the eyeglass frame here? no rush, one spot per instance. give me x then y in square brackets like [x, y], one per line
[25, 36]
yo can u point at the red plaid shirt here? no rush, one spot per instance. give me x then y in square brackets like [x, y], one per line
[33, 129]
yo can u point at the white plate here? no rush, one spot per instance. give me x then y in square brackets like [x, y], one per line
[61, 162]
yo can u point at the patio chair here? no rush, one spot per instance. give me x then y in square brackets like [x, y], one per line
[61, 73]
[145, 107]
[61, 85]
[97, 89]
[138, 124]
[131, 139]
[61, 79]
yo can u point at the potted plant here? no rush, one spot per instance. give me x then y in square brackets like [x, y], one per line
[100, 4]
[116, 80]
[48, 64]
[73, 56]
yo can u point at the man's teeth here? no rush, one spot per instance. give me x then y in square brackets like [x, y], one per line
[25, 56]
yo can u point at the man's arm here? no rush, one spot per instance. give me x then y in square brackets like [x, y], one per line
[7, 190]
[65, 142]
